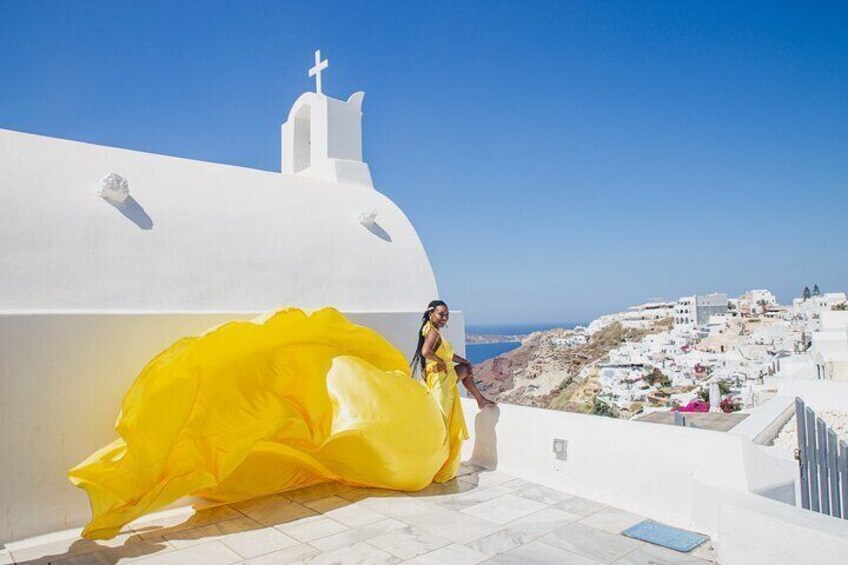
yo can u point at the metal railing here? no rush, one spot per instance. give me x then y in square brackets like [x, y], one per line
[823, 463]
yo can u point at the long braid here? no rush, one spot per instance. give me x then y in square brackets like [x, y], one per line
[424, 319]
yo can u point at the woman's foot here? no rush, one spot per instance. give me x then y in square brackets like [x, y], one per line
[484, 402]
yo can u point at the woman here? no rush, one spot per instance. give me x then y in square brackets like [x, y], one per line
[436, 356]
[439, 369]
[251, 408]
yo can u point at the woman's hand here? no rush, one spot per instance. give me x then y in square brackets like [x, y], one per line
[462, 360]
[441, 366]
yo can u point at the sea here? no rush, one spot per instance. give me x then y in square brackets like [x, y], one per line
[477, 353]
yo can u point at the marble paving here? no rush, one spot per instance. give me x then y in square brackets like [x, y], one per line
[480, 517]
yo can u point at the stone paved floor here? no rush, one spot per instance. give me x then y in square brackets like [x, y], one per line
[481, 517]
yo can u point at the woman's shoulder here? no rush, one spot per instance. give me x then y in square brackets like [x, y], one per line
[427, 327]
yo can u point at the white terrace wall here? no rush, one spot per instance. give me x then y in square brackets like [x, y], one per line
[817, 394]
[753, 529]
[649, 469]
[62, 378]
[764, 422]
[695, 479]
[194, 236]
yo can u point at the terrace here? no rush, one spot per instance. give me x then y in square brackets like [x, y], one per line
[480, 516]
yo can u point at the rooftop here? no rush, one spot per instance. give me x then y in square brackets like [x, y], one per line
[482, 516]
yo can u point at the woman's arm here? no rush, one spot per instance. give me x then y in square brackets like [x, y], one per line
[428, 350]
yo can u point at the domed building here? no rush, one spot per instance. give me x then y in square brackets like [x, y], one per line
[107, 256]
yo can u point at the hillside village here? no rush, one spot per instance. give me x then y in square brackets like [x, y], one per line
[663, 356]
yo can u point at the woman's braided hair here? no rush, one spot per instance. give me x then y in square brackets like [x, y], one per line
[424, 319]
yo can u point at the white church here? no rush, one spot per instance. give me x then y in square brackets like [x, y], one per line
[94, 229]
[108, 256]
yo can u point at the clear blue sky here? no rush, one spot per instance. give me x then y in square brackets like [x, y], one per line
[559, 160]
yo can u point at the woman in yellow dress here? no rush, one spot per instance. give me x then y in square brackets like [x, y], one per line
[251, 408]
[435, 353]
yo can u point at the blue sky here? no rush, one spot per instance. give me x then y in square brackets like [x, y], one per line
[559, 160]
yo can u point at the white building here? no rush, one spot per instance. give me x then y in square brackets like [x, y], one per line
[830, 346]
[644, 315]
[684, 311]
[695, 310]
[196, 236]
[756, 302]
[811, 308]
[573, 340]
[707, 305]
[107, 256]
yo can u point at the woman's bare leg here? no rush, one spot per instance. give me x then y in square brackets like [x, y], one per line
[464, 375]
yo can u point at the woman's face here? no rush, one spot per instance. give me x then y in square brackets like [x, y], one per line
[439, 316]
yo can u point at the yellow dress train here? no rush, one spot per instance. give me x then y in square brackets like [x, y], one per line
[443, 386]
[253, 408]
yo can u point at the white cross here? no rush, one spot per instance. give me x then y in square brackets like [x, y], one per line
[316, 70]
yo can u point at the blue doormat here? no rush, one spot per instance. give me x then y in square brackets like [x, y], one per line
[666, 536]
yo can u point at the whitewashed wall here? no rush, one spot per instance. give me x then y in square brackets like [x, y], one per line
[695, 479]
[817, 394]
[62, 378]
[196, 237]
[649, 469]
[753, 530]
[764, 422]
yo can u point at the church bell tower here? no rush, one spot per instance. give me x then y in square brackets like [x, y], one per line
[322, 137]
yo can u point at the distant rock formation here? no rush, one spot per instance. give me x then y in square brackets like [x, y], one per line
[556, 368]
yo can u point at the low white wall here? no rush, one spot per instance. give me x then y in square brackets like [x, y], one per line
[62, 378]
[764, 422]
[646, 468]
[796, 367]
[754, 529]
[834, 320]
[695, 479]
[818, 394]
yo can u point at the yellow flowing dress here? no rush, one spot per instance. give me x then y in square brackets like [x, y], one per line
[443, 386]
[253, 408]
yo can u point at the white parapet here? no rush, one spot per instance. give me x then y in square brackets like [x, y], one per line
[716, 483]
[649, 469]
[764, 422]
[753, 529]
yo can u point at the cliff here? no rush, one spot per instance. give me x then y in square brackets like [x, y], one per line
[556, 368]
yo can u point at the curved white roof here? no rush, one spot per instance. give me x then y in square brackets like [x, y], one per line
[194, 236]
